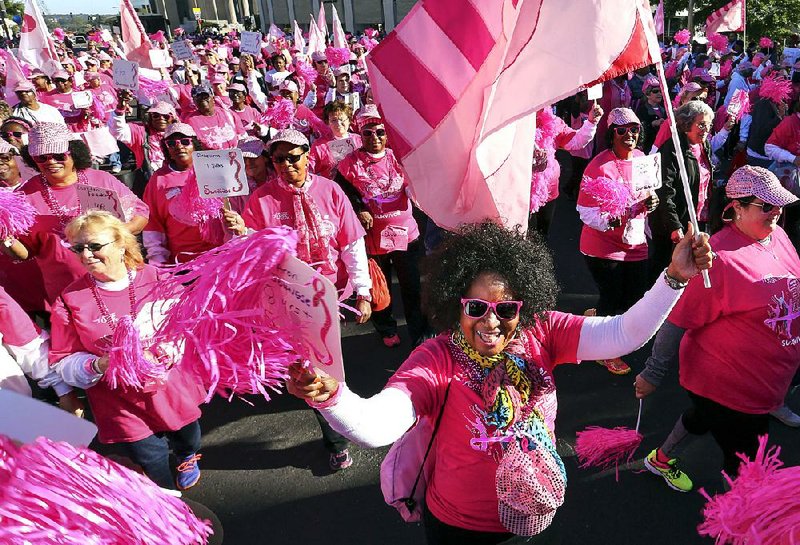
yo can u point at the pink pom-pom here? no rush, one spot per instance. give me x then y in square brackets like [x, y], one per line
[683, 36]
[57, 494]
[230, 342]
[540, 192]
[718, 42]
[190, 208]
[739, 104]
[58, 34]
[151, 88]
[127, 365]
[761, 506]
[158, 37]
[776, 89]
[280, 115]
[17, 215]
[370, 32]
[337, 56]
[765, 43]
[726, 69]
[604, 448]
[612, 197]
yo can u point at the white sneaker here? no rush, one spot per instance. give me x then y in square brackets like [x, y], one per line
[786, 416]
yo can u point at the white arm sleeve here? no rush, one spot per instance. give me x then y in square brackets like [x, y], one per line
[719, 139]
[380, 420]
[254, 87]
[119, 128]
[583, 137]
[593, 217]
[155, 244]
[32, 359]
[354, 257]
[777, 153]
[614, 336]
[76, 370]
[311, 99]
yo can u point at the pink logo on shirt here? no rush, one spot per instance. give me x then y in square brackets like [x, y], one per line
[784, 309]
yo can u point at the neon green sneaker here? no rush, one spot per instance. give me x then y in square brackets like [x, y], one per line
[675, 478]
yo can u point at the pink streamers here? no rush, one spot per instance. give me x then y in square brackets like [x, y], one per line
[603, 447]
[190, 208]
[151, 88]
[230, 342]
[306, 73]
[280, 115]
[128, 367]
[776, 89]
[612, 197]
[337, 56]
[739, 104]
[718, 42]
[761, 507]
[17, 215]
[765, 43]
[683, 36]
[56, 494]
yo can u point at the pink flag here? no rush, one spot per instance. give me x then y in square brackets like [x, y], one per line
[14, 75]
[315, 40]
[275, 32]
[729, 18]
[299, 41]
[36, 47]
[135, 42]
[460, 111]
[659, 18]
[322, 24]
[339, 39]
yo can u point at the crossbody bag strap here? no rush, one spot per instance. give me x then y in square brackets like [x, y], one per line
[430, 445]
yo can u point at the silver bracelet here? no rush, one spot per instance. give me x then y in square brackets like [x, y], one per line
[673, 283]
[95, 368]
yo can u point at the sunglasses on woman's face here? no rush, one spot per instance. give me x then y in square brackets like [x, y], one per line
[288, 158]
[369, 133]
[93, 247]
[478, 308]
[766, 207]
[57, 157]
[174, 143]
[156, 115]
[12, 134]
[622, 131]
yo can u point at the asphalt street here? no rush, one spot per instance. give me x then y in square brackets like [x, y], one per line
[265, 472]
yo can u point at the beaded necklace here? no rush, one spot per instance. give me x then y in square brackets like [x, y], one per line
[52, 202]
[108, 319]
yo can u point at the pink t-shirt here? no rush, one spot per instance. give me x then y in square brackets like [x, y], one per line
[462, 490]
[46, 241]
[218, 131]
[121, 415]
[382, 186]
[184, 241]
[75, 118]
[16, 328]
[327, 152]
[105, 94]
[705, 179]
[611, 244]
[742, 347]
[272, 205]
[247, 116]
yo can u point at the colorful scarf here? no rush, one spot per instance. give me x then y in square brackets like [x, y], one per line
[313, 245]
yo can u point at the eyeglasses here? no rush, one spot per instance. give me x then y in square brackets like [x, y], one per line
[369, 133]
[156, 115]
[185, 142]
[57, 157]
[622, 131]
[12, 134]
[704, 126]
[655, 91]
[290, 158]
[766, 207]
[478, 308]
[93, 247]
[6, 157]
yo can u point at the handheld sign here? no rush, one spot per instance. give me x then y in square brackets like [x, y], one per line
[23, 419]
[126, 75]
[220, 173]
[594, 92]
[222, 53]
[714, 70]
[100, 198]
[646, 173]
[250, 43]
[159, 58]
[182, 50]
[82, 99]
[308, 301]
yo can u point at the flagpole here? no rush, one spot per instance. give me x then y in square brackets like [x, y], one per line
[687, 191]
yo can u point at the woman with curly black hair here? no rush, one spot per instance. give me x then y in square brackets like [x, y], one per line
[487, 381]
[63, 163]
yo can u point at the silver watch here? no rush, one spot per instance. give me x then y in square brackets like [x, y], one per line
[673, 283]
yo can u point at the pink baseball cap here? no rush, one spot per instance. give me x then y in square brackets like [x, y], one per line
[163, 108]
[288, 85]
[368, 114]
[60, 74]
[23, 86]
[758, 182]
[318, 56]
[251, 147]
[291, 136]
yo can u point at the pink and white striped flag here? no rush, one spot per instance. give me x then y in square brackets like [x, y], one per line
[339, 38]
[460, 110]
[322, 23]
[135, 41]
[36, 47]
[659, 18]
[299, 41]
[731, 17]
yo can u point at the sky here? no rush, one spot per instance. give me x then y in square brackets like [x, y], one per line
[89, 7]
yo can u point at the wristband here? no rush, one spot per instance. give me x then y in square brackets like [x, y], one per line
[672, 282]
[95, 368]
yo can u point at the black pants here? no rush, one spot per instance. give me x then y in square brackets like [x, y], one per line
[621, 283]
[573, 184]
[660, 248]
[540, 220]
[439, 533]
[334, 441]
[406, 265]
[733, 431]
[152, 453]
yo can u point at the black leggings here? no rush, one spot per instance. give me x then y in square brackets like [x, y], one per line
[733, 431]
[620, 283]
[439, 533]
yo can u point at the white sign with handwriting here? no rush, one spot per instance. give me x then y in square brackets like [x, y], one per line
[220, 173]
[126, 75]
[250, 43]
[646, 173]
[182, 50]
[100, 198]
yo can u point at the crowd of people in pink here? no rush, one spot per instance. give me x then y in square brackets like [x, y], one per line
[686, 167]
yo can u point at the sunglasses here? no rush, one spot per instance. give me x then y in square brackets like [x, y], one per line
[320, 62]
[185, 142]
[57, 157]
[288, 158]
[622, 131]
[368, 133]
[478, 308]
[93, 247]
[766, 208]
[12, 134]
[157, 115]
